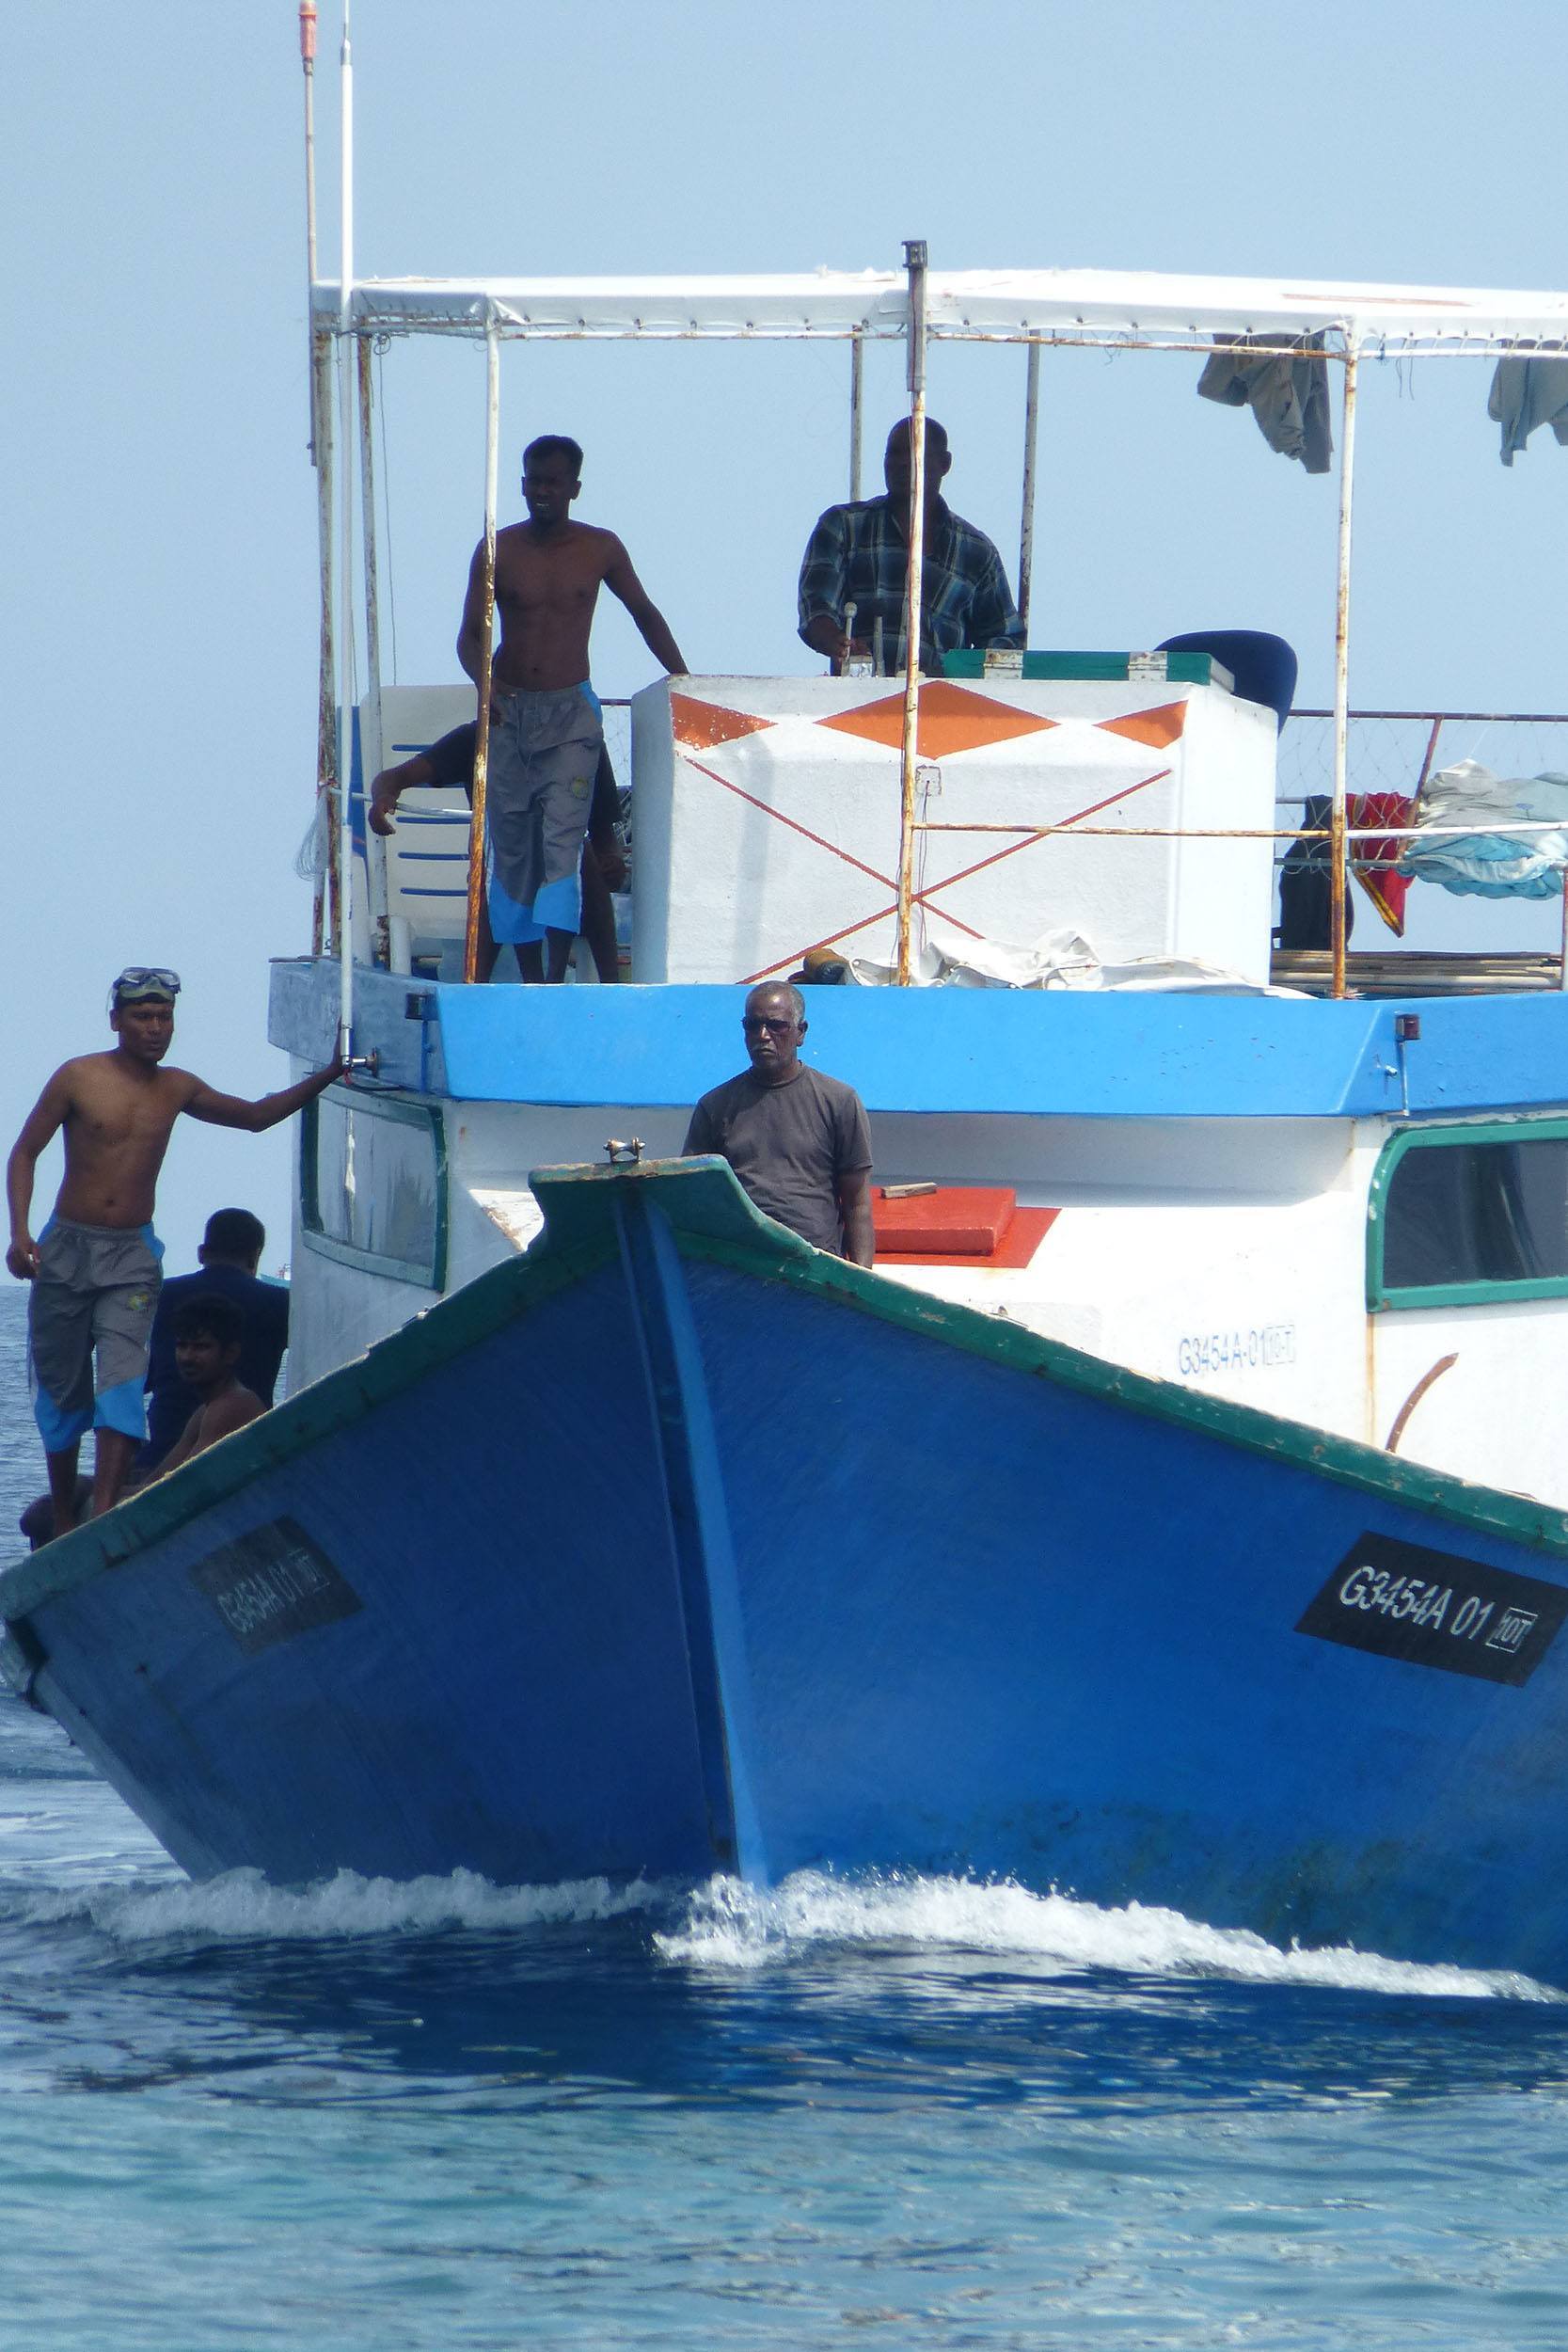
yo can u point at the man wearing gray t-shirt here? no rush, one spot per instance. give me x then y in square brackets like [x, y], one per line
[799, 1141]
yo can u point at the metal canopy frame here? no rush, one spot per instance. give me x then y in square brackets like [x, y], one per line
[1096, 309]
[1060, 308]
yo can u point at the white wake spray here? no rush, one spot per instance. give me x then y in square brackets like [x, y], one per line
[242, 1908]
[730, 1924]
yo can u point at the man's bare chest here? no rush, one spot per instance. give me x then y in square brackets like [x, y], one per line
[541, 581]
[121, 1119]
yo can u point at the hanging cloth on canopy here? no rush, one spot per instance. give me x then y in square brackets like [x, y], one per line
[1305, 877]
[1483, 864]
[1286, 391]
[1374, 861]
[1524, 393]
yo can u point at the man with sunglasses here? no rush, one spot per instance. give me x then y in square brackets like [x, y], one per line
[797, 1140]
[95, 1268]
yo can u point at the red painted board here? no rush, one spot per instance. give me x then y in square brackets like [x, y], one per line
[957, 1220]
[1024, 1236]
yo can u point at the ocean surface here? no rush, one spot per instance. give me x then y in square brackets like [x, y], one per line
[926, 2113]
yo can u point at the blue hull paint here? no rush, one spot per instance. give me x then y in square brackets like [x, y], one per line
[951, 1051]
[514, 1693]
[739, 1558]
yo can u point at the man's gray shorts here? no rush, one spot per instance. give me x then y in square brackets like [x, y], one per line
[96, 1289]
[544, 755]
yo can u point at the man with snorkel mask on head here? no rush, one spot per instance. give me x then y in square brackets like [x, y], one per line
[96, 1267]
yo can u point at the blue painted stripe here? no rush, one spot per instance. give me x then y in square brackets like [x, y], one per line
[696, 1520]
[1052, 1054]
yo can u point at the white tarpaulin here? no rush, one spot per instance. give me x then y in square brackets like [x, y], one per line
[1062, 958]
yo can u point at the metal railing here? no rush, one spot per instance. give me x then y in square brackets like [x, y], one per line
[1396, 751]
[1386, 753]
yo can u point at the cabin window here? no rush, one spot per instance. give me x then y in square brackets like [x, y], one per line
[1462, 1215]
[374, 1185]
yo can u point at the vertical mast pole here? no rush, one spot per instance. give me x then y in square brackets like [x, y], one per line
[345, 544]
[857, 386]
[1338, 844]
[486, 651]
[1026, 524]
[915, 261]
[323, 907]
[327, 922]
[308, 61]
[375, 849]
[307, 57]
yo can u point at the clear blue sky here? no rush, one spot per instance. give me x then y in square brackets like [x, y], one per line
[159, 595]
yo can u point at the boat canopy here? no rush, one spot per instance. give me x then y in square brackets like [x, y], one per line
[1065, 305]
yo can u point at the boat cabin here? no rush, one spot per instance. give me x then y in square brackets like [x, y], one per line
[1033, 903]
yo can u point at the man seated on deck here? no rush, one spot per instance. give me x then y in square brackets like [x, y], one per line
[860, 555]
[546, 732]
[799, 1141]
[95, 1269]
[229, 1254]
[209, 1332]
[451, 760]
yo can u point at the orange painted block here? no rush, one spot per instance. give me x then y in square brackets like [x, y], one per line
[953, 719]
[955, 1221]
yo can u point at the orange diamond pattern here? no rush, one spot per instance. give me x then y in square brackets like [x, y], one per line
[953, 719]
[1155, 727]
[704, 725]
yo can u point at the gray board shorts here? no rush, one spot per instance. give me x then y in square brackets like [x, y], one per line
[96, 1289]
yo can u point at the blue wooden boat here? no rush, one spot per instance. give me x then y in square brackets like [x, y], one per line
[1134, 1529]
[835, 1574]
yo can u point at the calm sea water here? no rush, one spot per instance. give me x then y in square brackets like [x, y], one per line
[452, 2116]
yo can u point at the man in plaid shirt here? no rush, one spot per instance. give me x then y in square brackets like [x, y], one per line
[859, 555]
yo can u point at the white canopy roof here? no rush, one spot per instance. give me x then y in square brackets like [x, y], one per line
[1065, 305]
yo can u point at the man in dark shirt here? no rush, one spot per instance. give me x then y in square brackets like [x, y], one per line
[230, 1253]
[799, 1141]
[860, 555]
[604, 869]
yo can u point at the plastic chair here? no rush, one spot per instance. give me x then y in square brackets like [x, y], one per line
[1263, 667]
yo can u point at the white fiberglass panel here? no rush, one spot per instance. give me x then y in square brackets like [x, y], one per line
[769, 820]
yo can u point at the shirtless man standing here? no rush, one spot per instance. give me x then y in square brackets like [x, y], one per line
[546, 732]
[95, 1267]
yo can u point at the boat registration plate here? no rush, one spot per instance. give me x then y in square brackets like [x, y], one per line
[273, 1583]
[1433, 1608]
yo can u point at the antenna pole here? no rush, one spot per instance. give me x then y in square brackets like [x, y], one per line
[324, 910]
[308, 61]
[345, 544]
